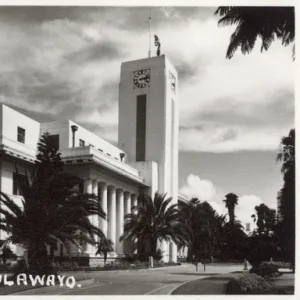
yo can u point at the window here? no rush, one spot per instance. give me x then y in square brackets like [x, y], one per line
[18, 180]
[54, 141]
[141, 128]
[81, 143]
[21, 135]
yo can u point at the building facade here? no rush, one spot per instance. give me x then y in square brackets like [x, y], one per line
[145, 161]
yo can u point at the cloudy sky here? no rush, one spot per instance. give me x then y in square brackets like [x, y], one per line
[64, 62]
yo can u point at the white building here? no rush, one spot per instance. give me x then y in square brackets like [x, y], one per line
[146, 159]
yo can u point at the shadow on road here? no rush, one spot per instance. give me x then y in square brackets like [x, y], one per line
[195, 274]
[218, 278]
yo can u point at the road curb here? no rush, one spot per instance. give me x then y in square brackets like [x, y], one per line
[182, 284]
[208, 276]
[86, 281]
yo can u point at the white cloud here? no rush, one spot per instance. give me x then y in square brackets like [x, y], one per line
[231, 138]
[246, 208]
[225, 105]
[198, 188]
[205, 190]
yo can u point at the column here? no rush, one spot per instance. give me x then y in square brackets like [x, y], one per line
[120, 219]
[103, 204]
[88, 189]
[87, 186]
[95, 192]
[134, 200]
[112, 214]
[127, 210]
[127, 203]
[174, 252]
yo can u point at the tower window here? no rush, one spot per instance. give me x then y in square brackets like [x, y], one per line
[81, 143]
[21, 135]
[141, 107]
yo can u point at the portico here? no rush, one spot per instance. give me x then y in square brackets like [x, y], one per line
[117, 188]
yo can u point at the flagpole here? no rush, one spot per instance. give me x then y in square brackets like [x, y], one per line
[149, 53]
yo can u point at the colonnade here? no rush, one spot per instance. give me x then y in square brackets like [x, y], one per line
[116, 203]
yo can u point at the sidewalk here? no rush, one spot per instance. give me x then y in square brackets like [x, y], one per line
[206, 286]
[217, 285]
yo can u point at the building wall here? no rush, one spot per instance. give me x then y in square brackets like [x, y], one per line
[161, 122]
[63, 128]
[162, 125]
[10, 120]
[149, 171]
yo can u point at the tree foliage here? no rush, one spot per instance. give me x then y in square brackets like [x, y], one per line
[230, 202]
[286, 226]
[152, 221]
[52, 211]
[265, 219]
[104, 247]
[267, 23]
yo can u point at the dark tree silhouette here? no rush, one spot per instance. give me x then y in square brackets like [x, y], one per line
[265, 219]
[104, 247]
[230, 202]
[203, 229]
[152, 220]
[266, 23]
[286, 197]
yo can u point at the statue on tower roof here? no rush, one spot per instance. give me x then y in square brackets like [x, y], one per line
[157, 44]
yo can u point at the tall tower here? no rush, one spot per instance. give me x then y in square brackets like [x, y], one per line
[148, 118]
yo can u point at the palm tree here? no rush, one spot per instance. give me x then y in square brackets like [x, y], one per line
[7, 254]
[267, 23]
[104, 247]
[152, 220]
[230, 202]
[51, 211]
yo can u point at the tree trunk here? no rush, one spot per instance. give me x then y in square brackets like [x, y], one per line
[153, 247]
[105, 257]
[26, 258]
[38, 260]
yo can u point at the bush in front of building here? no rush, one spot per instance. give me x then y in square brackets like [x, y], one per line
[66, 266]
[249, 284]
[265, 269]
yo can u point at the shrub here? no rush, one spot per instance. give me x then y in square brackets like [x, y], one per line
[158, 255]
[66, 266]
[132, 257]
[265, 269]
[248, 284]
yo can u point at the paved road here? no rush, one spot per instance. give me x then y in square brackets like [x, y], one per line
[137, 282]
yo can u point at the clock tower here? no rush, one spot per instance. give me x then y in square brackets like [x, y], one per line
[148, 121]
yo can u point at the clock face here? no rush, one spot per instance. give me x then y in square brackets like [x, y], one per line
[141, 78]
